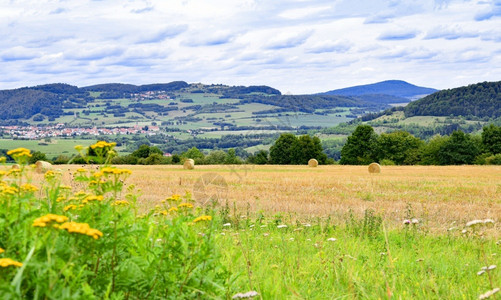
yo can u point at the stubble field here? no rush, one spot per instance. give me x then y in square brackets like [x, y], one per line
[438, 196]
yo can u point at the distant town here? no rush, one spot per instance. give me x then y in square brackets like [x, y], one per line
[60, 130]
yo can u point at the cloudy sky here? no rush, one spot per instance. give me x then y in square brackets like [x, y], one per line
[298, 46]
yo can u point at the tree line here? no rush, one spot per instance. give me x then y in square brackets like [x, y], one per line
[364, 146]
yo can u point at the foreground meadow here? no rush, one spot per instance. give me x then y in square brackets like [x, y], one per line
[268, 232]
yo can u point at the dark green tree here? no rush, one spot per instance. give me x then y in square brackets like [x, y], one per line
[146, 150]
[306, 148]
[491, 139]
[400, 147]
[281, 153]
[459, 149]
[36, 156]
[193, 153]
[360, 147]
[259, 158]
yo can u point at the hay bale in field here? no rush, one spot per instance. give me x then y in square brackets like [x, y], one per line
[42, 166]
[189, 164]
[313, 163]
[374, 168]
[16, 166]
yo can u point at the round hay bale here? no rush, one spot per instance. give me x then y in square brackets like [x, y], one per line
[42, 166]
[189, 164]
[313, 163]
[16, 166]
[374, 168]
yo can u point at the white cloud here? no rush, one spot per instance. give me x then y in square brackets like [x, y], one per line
[292, 45]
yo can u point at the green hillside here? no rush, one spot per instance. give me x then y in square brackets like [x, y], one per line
[482, 100]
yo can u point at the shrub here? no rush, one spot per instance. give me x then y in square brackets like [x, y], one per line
[493, 160]
[94, 244]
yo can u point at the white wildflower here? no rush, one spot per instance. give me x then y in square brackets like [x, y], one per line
[222, 233]
[251, 226]
[415, 221]
[226, 224]
[291, 239]
[266, 234]
[282, 226]
[419, 259]
[307, 225]
[332, 239]
[491, 267]
[407, 222]
[250, 294]
[488, 294]
[263, 226]
[309, 240]
[474, 223]
[480, 272]
[489, 222]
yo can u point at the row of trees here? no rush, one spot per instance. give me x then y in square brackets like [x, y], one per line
[365, 146]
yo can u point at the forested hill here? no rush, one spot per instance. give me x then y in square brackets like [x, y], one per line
[480, 100]
[395, 88]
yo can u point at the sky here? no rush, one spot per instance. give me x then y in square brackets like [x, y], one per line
[296, 46]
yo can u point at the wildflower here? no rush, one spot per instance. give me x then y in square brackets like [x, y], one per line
[414, 221]
[120, 202]
[282, 226]
[19, 153]
[65, 187]
[3, 159]
[43, 221]
[10, 190]
[187, 205]
[6, 262]
[2, 173]
[70, 207]
[80, 194]
[307, 225]
[79, 148]
[491, 267]
[173, 209]
[29, 188]
[481, 272]
[488, 294]
[332, 239]
[82, 228]
[81, 170]
[250, 294]
[202, 218]
[266, 234]
[14, 172]
[51, 174]
[226, 224]
[291, 239]
[102, 144]
[407, 222]
[92, 198]
[2, 250]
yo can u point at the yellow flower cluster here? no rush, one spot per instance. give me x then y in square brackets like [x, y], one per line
[92, 198]
[202, 218]
[2, 250]
[173, 209]
[82, 228]
[185, 205]
[81, 170]
[120, 202]
[9, 190]
[65, 187]
[3, 159]
[70, 207]
[3, 173]
[173, 198]
[29, 188]
[114, 171]
[19, 152]
[14, 172]
[43, 221]
[103, 144]
[49, 175]
[6, 262]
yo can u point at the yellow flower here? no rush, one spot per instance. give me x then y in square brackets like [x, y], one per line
[187, 205]
[82, 228]
[14, 172]
[202, 218]
[70, 207]
[29, 188]
[80, 194]
[103, 144]
[81, 170]
[3, 173]
[6, 262]
[51, 174]
[173, 209]
[65, 187]
[120, 202]
[43, 221]
[2, 250]
[3, 159]
[93, 198]
[19, 152]
[79, 147]
[61, 199]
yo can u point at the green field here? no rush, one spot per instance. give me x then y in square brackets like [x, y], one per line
[53, 149]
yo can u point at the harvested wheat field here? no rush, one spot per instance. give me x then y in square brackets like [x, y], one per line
[437, 195]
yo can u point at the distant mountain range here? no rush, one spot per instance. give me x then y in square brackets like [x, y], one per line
[396, 89]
